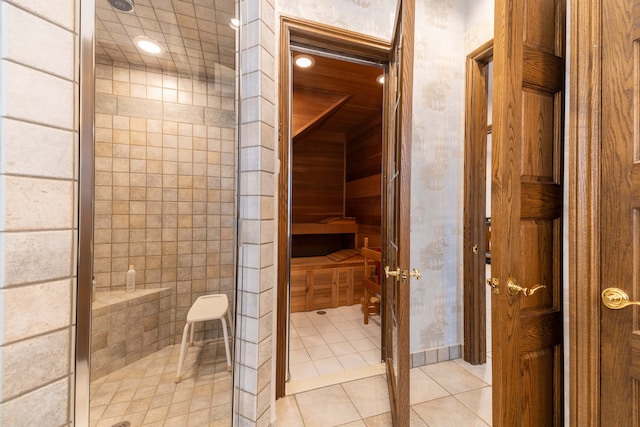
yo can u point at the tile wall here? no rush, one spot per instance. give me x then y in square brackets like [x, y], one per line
[436, 355]
[165, 195]
[127, 326]
[253, 373]
[38, 182]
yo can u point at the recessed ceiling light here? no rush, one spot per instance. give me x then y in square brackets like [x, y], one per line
[147, 45]
[380, 79]
[234, 23]
[304, 61]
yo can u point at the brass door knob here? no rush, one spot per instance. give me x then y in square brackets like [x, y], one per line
[616, 299]
[514, 288]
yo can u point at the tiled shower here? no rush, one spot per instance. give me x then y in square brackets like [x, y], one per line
[164, 203]
[165, 186]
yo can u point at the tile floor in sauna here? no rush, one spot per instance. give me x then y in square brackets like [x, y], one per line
[336, 341]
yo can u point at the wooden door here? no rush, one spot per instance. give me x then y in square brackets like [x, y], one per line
[395, 218]
[620, 229]
[527, 212]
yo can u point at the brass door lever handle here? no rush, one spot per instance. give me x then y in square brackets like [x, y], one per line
[514, 287]
[388, 272]
[616, 299]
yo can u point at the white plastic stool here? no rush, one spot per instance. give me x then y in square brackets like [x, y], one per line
[206, 307]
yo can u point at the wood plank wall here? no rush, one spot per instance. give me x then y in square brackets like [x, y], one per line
[363, 198]
[338, 175]
[318, 171]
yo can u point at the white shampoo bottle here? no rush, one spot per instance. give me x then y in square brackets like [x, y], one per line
[131, 279]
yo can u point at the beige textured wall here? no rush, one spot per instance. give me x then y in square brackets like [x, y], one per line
[437, 186]
[165, 192]
[38, 150]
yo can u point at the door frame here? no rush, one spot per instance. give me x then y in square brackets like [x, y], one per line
[316, 36]
[584, 212]
[80, 396]
[475, 177]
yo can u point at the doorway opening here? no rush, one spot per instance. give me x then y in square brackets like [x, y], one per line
[335, 211]
[330, 199]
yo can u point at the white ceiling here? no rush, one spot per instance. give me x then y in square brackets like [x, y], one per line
[195, 35]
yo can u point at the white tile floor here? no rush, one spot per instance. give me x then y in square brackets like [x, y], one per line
[452, 393]
[145, 393]
[336, 341]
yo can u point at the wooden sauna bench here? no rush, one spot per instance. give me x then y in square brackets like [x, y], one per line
[319, 282]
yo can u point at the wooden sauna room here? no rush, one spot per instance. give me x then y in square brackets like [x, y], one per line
[335, 171]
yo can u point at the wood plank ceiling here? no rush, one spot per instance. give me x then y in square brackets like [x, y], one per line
[335, 96]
